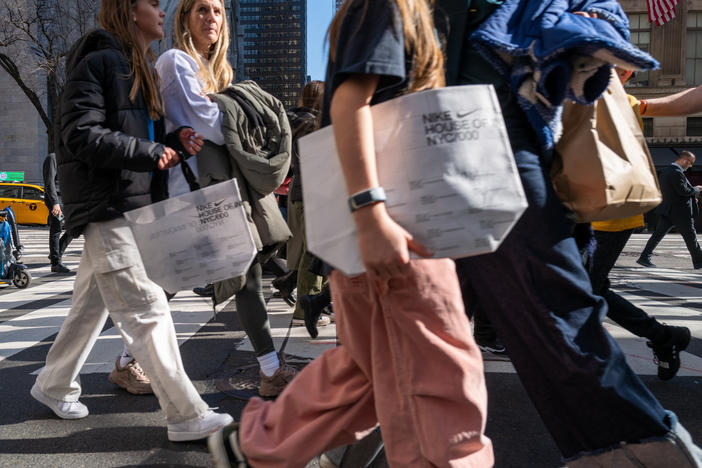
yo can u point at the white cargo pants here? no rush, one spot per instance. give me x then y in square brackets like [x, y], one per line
[111, 279]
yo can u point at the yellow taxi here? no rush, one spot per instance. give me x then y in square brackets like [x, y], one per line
[26, 200]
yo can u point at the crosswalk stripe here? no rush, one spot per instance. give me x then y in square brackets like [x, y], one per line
[32, 293]
[189, 311]
[32, 315]
[32, 328]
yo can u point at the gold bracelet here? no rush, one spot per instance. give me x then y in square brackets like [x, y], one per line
[642, 106]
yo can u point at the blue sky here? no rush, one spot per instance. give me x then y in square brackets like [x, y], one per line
[319, 15]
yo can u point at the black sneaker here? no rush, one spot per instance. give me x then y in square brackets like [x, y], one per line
[207, 291]
[646, 262]
[224, 448]
[313, 306]
[494, 346]
[286, 284]
[59, 268]
[667, 354]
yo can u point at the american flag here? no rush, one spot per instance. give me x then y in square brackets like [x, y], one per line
[661, 11]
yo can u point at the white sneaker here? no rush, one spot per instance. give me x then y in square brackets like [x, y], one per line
[199, 427]
[63, 409]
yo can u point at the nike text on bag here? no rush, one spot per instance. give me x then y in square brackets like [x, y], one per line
[445, 162]
[194, 239]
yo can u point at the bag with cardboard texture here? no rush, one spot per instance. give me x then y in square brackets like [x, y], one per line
[603, 169]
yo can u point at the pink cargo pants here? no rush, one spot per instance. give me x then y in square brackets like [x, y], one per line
[407, 361]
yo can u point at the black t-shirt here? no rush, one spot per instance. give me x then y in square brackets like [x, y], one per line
[370, 43]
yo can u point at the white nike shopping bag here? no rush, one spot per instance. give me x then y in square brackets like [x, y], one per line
[444, 159]
[194, 239]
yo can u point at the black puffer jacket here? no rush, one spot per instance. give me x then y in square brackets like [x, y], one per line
[105, 158]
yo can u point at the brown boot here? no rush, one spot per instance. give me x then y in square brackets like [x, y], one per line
[272, 386]
[131, 378]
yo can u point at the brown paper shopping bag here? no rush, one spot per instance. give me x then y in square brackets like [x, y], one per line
[603, 169]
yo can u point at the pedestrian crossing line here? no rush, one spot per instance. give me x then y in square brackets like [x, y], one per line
[189, 312]
[45, 270]
[32, 328]
[23, 309]
[669, 238]
[669, 301]
[638, 357]
[668, 288]
[21, 297]
[662, 310]
[673, 281]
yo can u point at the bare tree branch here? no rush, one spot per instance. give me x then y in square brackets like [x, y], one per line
[35, 36]
[9, 66]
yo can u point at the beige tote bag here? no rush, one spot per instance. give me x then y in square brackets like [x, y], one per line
[602, 169]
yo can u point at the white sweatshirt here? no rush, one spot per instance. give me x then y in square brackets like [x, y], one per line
[186, 105]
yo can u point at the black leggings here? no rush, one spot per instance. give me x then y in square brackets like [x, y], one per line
[251, 307]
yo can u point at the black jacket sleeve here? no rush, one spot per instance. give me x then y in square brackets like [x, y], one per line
[681, 185]
[86, 133]
[49, 172]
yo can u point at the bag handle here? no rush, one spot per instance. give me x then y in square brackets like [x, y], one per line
[189, 175]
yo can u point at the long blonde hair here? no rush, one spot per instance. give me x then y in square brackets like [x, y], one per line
[420, 40]
[219, 74]
[115, 17]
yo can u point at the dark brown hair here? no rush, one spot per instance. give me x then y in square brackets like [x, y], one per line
[311, 96]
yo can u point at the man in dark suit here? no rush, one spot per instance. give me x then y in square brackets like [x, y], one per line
[679, 208]
[57, 243]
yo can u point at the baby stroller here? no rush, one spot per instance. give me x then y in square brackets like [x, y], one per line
[11, 269]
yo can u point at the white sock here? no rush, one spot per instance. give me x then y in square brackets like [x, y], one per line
[269, 363]
[126, 357]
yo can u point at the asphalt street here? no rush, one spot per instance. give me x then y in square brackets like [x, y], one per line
[126, 430]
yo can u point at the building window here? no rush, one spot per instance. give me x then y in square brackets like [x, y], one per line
[641, 37]
[648, 127]
[693, 49]
[694, 126]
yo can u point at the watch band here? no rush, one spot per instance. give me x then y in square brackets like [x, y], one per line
[366, 197]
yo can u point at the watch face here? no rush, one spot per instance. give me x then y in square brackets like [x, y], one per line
[367, 197]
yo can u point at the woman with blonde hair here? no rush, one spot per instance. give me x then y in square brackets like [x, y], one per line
[110, 144]
[408, 359]
[196, 67]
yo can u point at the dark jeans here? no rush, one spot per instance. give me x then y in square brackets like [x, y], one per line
[57, 242]
[483, 331]
[623, 312]
[685, 227]
[544, 310]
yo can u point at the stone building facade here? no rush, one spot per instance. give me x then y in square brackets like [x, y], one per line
[23, 138]
[677, 45]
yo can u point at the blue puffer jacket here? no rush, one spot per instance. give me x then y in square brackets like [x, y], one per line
[551, 54]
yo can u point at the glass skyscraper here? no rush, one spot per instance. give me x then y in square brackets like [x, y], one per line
[274, 48]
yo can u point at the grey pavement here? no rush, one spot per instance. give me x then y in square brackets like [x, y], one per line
[126, 430]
